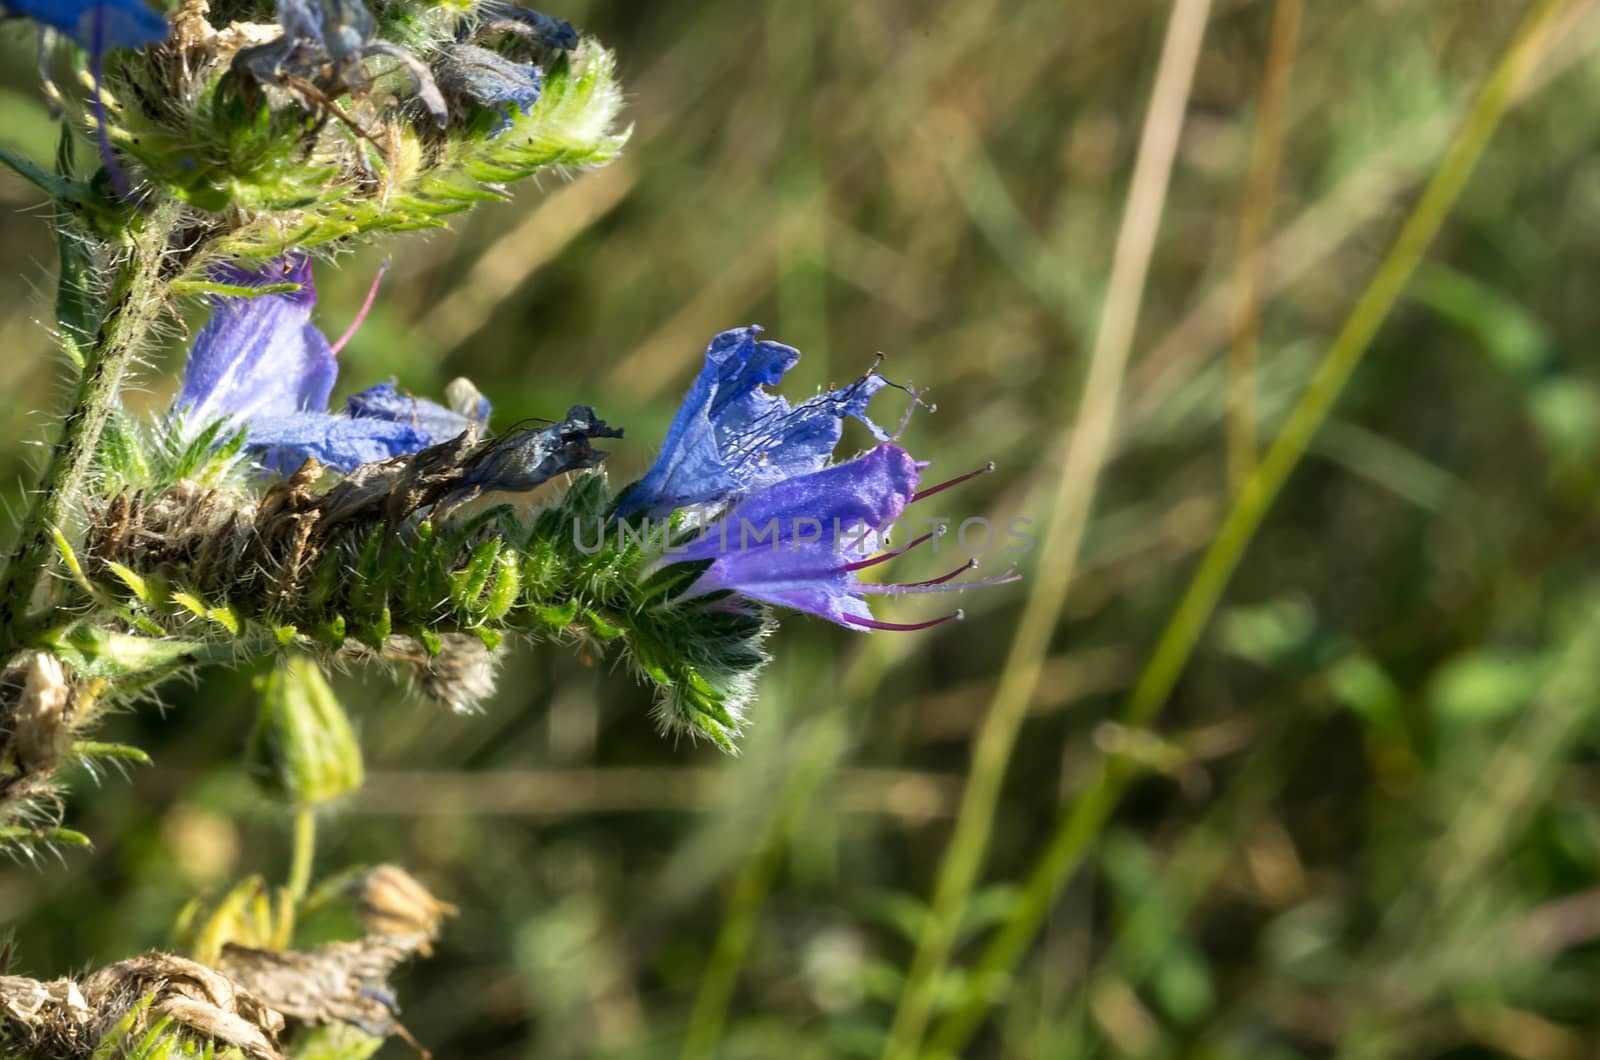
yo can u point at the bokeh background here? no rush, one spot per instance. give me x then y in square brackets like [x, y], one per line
[1368, 822]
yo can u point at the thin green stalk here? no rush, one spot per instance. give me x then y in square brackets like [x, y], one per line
[1085, 443]
[1078, 829]
[305, 850]
[292, 896]
[135, 300]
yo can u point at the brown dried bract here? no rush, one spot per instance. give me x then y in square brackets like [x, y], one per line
[63, 1020]
[337, 982]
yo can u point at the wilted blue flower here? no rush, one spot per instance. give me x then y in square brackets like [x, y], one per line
[481, 76]
[731, 436]
[489, 79]
[324, 43]
[96, 26]
[503, 16]
[261, 364]
[525, 459]
[799, 543]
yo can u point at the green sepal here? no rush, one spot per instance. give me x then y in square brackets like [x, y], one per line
[600, 626]
[231, 290]
[331, 632]
[16, 833]
[95, 652]
[123, 752]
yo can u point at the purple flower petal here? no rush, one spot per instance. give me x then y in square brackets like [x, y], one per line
[259, 356]
[809, 517]
[731, 436]
[124, 23]
[283, 442]
[429, 418]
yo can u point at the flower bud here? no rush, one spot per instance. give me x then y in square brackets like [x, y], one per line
[42, 731]
[393, 902]
[302, 748]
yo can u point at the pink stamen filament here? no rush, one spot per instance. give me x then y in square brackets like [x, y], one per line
[904, 627]
[885, 557]
[958, 480]
[361, 315]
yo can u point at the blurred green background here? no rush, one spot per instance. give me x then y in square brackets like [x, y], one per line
[1370, 819]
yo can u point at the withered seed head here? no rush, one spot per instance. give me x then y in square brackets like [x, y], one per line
[392, 902]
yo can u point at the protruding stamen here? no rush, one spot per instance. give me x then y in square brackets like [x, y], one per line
[958, 480]
[942, 584]
[885, 557]
[941, 579]
[361, 314]
[905, 627]
[911, 407]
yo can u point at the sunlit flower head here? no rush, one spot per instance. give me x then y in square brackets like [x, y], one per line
[732, 436]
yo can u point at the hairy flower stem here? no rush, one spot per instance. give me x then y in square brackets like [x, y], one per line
[294, 892]
[305, 845]
[135, 300]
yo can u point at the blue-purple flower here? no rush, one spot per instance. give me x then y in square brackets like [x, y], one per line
[260, 364]
[731, 436]
[801, 542]
[96, 25]
[487, 78]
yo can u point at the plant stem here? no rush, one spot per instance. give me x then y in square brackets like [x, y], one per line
[1086, 443]
[305, 849]
[293, 893]
[135, 300]
[1077, 829]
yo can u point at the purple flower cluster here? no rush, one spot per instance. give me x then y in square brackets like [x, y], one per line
[736, 454]
[733, 446]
